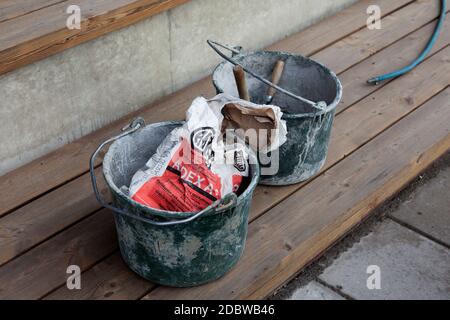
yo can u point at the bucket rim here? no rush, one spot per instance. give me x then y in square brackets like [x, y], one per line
[173, 214]
[330, 107]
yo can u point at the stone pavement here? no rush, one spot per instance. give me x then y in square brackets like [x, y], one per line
[401, 252]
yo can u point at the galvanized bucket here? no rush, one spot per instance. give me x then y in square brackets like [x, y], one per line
[171, 248]
[309, 123]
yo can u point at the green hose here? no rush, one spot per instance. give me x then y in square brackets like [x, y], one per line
[426, 51]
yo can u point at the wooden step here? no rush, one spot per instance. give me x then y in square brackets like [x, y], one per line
[43, 269]
[364, 120]
[17, 188]
[366, 42]
[22, 41]
[110, 279]
[11, 9]
[377, 145]
[291, 234]
[377, 117]
[73, 201]
[342, 24]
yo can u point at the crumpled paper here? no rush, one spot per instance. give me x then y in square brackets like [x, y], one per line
[196, 165]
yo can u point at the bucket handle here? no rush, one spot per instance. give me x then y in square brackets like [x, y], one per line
[138, 123]
[321, 105]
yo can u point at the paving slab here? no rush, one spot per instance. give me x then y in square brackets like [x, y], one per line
[315, 291]
[411, 266]
[428, 207]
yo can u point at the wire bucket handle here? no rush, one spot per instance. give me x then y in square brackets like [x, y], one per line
[321, 105]
[224, 204]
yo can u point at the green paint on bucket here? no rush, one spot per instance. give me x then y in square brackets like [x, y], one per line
[309, 127]
[172, 248]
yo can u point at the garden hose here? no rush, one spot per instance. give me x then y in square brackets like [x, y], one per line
[431, 42]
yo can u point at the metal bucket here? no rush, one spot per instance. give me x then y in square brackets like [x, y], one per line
[171, 248]
[309, 127]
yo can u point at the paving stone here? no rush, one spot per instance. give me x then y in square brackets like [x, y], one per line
[428, 207]
[411, 266]
[315, 291]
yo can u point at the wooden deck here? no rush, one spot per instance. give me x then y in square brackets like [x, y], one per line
[383, 137]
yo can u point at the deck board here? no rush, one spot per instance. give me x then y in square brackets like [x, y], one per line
[10, 9]
[357, 125]
[61, 223]
[47, 215]
[42, 269]
[52, 167]
[366, 42]
[108, 280]
[344, 23]
[342, 143]
[391, 58]
[74, 200]
[329, 206]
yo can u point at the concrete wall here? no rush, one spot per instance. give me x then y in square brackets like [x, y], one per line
[59, 99]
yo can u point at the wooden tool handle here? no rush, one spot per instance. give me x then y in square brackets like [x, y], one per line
[276, 76]
[241, 83]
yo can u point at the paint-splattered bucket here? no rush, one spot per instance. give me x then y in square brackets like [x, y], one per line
[171, 248]
[309, 124]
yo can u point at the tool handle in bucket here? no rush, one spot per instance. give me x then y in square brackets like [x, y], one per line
[321, 105]
[220, 205]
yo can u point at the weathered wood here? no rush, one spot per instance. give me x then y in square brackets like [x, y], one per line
[393, 57]
[364, 120]
[354, 127]
[10, 9]
[385, 115]
[53, 169]
[43, 269]
[290, 235]
[344, 23]
[366, 42]
[47, 215]
[22, 41]
[106, 280]
[37, 221]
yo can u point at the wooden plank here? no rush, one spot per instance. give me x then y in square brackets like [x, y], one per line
[23, 41]
[10, 9]
[106, 280]
[43, 269]
[364, 43]
[44, 217]
[358, 124]
[52, 212]
[290, 235]
[52, 20]
[345, 22]
[386, 113]
[392, 58]
[53, 39]
[52, 167]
